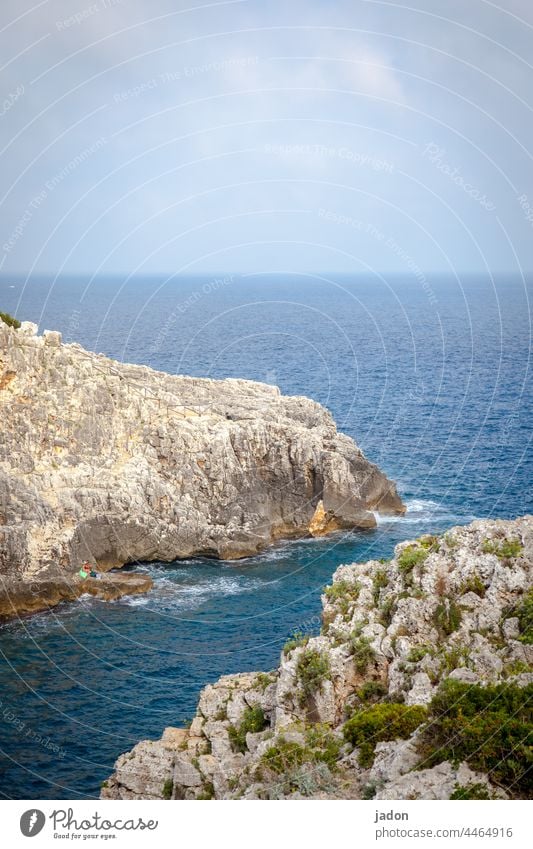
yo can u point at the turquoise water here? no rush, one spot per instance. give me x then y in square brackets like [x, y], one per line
[432, 380]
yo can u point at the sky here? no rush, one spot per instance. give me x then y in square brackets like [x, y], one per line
[245, 135]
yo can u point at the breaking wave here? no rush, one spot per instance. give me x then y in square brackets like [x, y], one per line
[422, 511]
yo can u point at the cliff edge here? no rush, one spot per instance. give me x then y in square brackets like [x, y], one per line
[419, 686]
[119, 463]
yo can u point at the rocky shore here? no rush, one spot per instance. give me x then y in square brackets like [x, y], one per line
[40, 594]
[419, 686]
[118, 463]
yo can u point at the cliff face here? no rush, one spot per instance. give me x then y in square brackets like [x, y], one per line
[119, 463]
[419, 687]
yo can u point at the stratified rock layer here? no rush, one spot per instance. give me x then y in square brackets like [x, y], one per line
[443, 609]
[118, 463]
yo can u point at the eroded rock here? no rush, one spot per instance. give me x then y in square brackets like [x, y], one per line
[393, 634]
[118, 463]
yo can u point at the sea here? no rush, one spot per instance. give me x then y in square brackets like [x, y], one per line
[431, 376]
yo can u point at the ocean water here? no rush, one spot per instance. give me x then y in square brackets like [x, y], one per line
[431, 377]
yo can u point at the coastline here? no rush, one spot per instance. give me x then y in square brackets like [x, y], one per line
[354, 712]
[118, 464]
[19, 599]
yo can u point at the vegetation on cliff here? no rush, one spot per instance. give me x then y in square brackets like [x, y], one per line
[380, 722]
[9, 320]
[489, 727]
[419, 686]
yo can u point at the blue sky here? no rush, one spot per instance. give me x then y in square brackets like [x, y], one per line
[185, 137]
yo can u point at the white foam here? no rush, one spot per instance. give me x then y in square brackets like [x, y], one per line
[421, 510]
[167, 594]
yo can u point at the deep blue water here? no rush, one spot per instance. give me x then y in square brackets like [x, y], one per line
[433, 381]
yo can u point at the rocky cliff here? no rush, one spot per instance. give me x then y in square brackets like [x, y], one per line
[119, 463]
[419, 686]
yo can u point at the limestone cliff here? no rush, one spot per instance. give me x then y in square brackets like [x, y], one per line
[419, 687]
[119, 463]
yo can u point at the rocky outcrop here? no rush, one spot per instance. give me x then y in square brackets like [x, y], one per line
[41, 594]
[419, 686]
[118, 463]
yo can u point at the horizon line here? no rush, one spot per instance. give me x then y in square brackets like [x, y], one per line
[231, 272]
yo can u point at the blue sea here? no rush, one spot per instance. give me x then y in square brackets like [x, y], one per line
[432, 378]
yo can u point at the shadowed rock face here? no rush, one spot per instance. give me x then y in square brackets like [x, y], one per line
[119, 463]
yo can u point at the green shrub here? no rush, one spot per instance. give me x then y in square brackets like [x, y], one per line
[372, 691]
[312, 669]
[418, 653]
[455, 658]
[381, 722]
[9, 320]
[450, 541]
[410, 557]
[253, 721]
[488, 727]
[386, 611]
[208, 791]
[321, 746]
[168, 787]
[429, 542]
[341, 589]
[379, 582]
[517, 667]
[470, 791]
[296, 640]
[473, 584]
[524, 612]
[395, 698]
[285, 755]
[264, 679]
[324, 745]
[362, 651]
[447, 616]
[343, 594]
[504, 549]
[222, 713]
